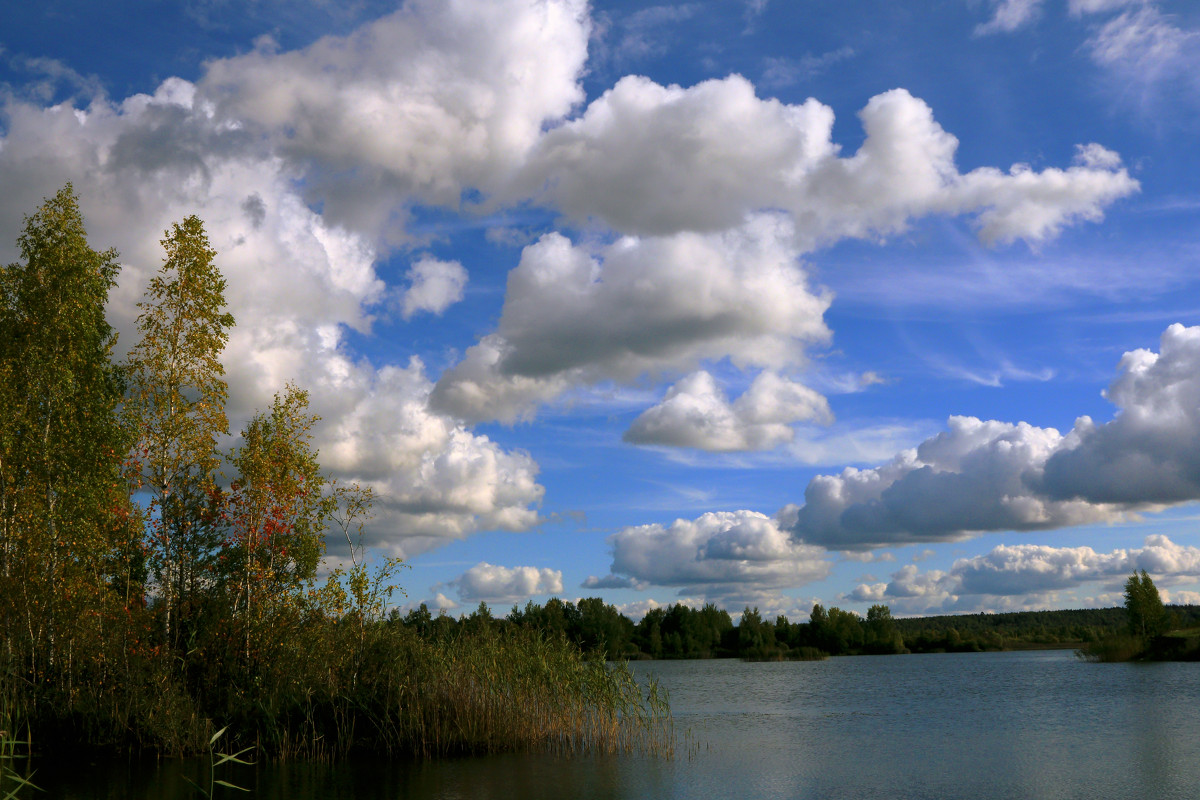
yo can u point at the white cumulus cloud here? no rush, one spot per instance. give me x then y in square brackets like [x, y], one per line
[1024, 571]
[434, 480]
[995, 476]
[726, 554]
[696, 413]
[434, 286]
[641, 306]
[968, 479]
[437, 97]
[494, 584]
[653, 160]
[1150, 452]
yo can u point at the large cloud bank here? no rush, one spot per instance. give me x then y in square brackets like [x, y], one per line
[409, 109]
[995, 476]
[295, 285]
[306, 164]
[720, 193]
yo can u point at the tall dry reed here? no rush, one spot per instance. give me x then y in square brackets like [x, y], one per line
[324, 688]
[482, 691]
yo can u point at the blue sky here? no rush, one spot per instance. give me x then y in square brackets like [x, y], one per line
[757, 303]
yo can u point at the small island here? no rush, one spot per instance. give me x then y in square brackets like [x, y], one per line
[1154, 633]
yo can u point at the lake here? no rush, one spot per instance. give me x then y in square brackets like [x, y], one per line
[999, 725]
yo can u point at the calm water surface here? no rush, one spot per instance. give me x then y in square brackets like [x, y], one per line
[1003, 725]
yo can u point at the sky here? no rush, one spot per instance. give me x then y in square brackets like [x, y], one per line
[750, 302]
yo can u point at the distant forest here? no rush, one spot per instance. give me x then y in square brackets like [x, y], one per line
[679, 631]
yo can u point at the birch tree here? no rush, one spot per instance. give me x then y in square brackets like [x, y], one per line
[278, 510]
[177, 406]
[1147, 615]
[61, 445]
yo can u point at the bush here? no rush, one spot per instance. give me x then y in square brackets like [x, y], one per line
[1117, 647]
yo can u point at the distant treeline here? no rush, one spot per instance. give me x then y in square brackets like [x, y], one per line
[1015, 630]
[679, 631]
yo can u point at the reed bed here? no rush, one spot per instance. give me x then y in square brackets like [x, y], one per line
[15, 773]
[523, 691]
[330, 690]
[486, 691]
[326, 688]
[1114, 648]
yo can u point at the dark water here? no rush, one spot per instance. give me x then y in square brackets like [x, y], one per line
[997, 725]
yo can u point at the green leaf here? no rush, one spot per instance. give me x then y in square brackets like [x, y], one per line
[233, 757]
[229, 785]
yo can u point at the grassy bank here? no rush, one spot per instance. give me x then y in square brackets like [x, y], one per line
[1177, 645]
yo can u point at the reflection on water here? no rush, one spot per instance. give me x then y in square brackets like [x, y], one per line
[506, 777]
[997, 725]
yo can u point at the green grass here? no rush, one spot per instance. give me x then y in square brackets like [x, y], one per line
[1117, 647]
[1177, 645]
[215, 760]
[13, 750]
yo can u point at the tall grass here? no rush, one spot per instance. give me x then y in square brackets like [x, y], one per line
[216, 760]
[1116, 647]
[519, 690]
[1177, 645]
[324, 688]
[483, 691]
[13, 753]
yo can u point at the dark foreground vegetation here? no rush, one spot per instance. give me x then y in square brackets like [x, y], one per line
[146, 603]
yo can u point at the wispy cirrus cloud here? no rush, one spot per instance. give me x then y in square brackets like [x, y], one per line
[1146, 46]
[1009, 15]
[994, 377]
[781, 71]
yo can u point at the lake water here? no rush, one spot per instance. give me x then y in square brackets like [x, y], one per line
[998, 725]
